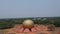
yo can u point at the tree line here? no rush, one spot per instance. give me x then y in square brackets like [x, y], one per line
[11, 22]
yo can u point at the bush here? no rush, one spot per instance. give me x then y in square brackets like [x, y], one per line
[6, 25]
[57, 23]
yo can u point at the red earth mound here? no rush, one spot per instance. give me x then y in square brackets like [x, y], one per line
[37, 29]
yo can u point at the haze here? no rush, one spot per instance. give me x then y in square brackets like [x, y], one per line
[29, 8]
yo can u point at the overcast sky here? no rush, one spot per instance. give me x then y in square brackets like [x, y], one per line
[29, 8]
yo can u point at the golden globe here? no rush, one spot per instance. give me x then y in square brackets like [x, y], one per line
[28, 24]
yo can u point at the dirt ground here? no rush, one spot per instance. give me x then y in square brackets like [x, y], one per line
[3, 31]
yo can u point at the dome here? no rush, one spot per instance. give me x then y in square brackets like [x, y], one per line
[28, 23]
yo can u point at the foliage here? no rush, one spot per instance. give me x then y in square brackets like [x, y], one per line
[6, 25]
[57, 23]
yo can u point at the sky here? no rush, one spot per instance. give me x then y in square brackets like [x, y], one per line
[29, 8]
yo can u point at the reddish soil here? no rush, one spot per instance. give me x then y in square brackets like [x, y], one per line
[35, 30]
[26, 31]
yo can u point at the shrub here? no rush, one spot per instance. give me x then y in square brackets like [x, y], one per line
[57, 23]
[6, 25]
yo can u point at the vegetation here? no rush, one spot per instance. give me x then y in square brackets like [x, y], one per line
[5, 23]
[57, 23]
